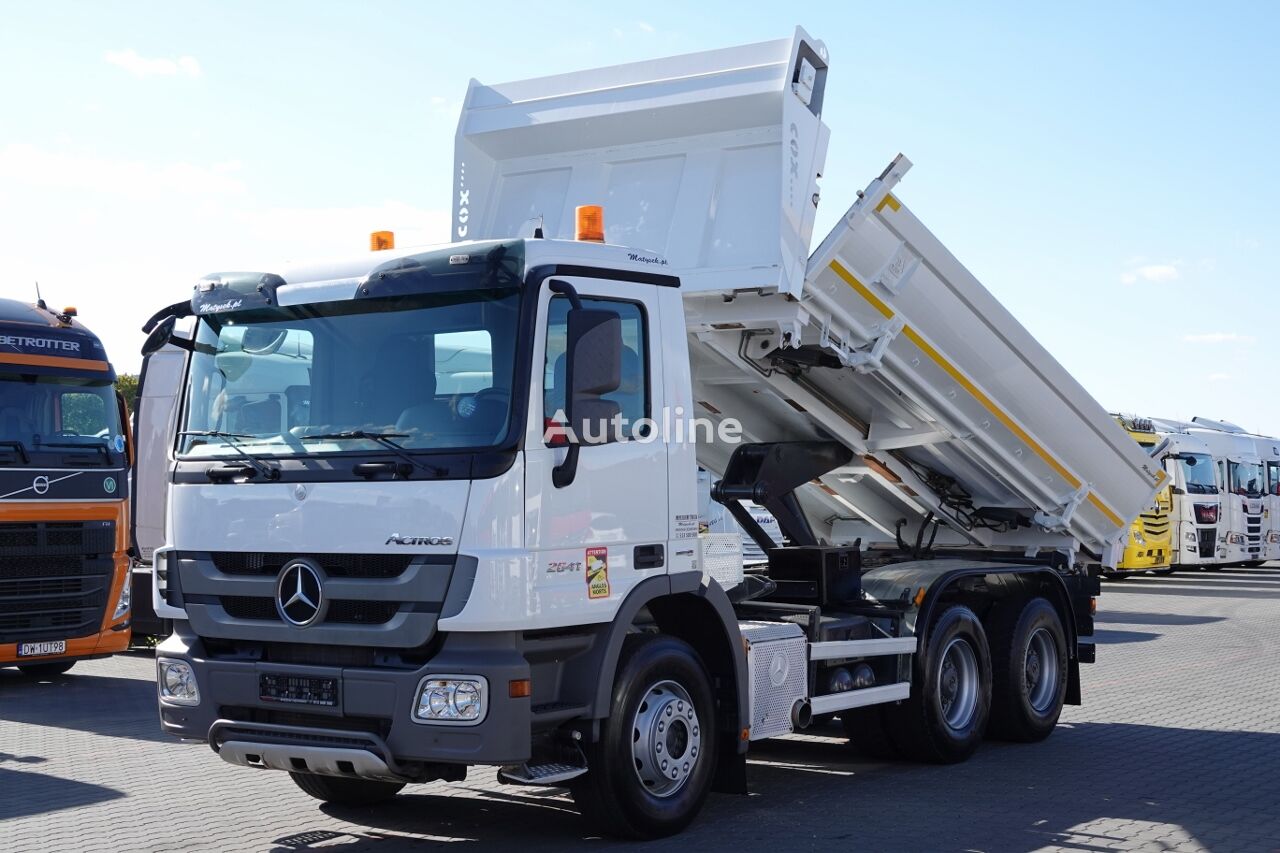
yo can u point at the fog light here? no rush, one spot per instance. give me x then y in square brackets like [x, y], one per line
[459, 700]
[177, 682]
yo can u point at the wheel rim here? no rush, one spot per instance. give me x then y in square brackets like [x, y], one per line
[958, 684]
[666, 739]
[1041, 671]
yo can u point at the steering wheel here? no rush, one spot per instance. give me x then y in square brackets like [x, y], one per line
[467, 406]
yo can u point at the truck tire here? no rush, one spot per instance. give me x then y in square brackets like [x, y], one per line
[1030, 666]
[46, 670]
[867, 733]
[650, 771]
[343, 791]
[1164, 573]
[945, 718]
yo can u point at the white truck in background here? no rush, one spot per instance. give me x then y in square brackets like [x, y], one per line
[410, 582]
[1242, 475]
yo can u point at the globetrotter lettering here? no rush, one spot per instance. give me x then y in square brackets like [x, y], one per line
[39, 343]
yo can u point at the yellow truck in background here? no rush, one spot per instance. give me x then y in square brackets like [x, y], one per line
[1150, 545]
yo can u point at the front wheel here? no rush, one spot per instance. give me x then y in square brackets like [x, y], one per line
[1029, 653]
[649, 773]
[1164, 573]
[343, 791]
[46, 670]
[945, 717]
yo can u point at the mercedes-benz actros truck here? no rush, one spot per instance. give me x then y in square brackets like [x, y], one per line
[64, 459]
[379, 574]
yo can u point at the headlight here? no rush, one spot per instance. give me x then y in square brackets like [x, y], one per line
[1191, 537]
[177, 682]
[1139, 538]
[126, 597]
[459, 700]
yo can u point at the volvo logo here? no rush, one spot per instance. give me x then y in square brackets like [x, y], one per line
[299, 593]
[40, 484]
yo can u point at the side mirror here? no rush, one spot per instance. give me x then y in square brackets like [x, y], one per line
[127, 426]
[593, 368]
[160, 335]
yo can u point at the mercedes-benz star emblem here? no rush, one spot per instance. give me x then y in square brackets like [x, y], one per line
[299, 593]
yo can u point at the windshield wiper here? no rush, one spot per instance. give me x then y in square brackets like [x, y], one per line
[106, 454]
[382, 438]
[233, 441]
[18, 446]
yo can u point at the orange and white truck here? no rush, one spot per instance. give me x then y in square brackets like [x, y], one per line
[65, 451]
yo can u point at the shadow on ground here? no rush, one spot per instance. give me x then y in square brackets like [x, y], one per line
[1009, 797]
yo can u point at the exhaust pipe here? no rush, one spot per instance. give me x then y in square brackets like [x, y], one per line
[801, 714]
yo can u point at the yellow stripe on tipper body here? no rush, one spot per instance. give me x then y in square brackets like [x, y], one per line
[964, 382]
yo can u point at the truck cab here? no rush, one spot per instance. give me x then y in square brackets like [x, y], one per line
[1242, 478]
[65, 451]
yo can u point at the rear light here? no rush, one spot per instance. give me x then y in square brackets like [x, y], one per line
[1206, 513]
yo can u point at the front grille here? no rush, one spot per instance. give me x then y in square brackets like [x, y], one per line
[1208, 541]
[362, 612]
[247, 607]
[334, 565]
[340, 612]
[54, 579]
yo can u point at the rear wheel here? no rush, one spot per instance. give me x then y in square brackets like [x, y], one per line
[46, 670]
[344, 791]
[945, 717]
[649, 773]
[1030, 664]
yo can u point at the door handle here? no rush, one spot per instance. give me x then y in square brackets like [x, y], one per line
[649, 557]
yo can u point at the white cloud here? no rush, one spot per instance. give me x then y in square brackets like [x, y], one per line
[140, 66]
[1156, 273]
[645, 26]
[1218, 377]
[1218, 338]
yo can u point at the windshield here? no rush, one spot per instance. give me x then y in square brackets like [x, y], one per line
[48, 419]
[427, 372]
[1197, 471]
[1246, 478]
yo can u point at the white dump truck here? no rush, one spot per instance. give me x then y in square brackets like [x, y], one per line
[381, 574]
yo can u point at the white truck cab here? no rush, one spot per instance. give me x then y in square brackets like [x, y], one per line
[394, 575]
[1243, 479]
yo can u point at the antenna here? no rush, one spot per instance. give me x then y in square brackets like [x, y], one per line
[39, 299]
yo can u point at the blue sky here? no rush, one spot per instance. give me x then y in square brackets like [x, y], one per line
[1107, 170]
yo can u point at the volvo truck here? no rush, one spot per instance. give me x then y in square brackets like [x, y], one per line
[380, 575]
[64, 459]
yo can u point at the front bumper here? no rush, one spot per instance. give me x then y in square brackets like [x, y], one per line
[373, 714]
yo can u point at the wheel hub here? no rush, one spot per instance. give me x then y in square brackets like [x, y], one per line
[958, 684]
[1041, 667]
[666, 738]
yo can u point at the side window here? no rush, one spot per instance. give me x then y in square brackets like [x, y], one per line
[632, 395]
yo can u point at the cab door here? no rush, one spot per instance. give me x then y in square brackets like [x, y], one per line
[593, 539]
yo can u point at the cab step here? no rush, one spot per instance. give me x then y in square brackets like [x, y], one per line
[540, 774]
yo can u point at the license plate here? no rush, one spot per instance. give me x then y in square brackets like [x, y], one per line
[298, 689]
[52, 647]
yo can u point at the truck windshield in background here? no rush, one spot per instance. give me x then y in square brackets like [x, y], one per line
[1246, 478]
[47, 419]
[1197, 469]
[432, 371]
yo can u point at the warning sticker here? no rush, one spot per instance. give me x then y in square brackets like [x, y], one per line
[597, 572]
